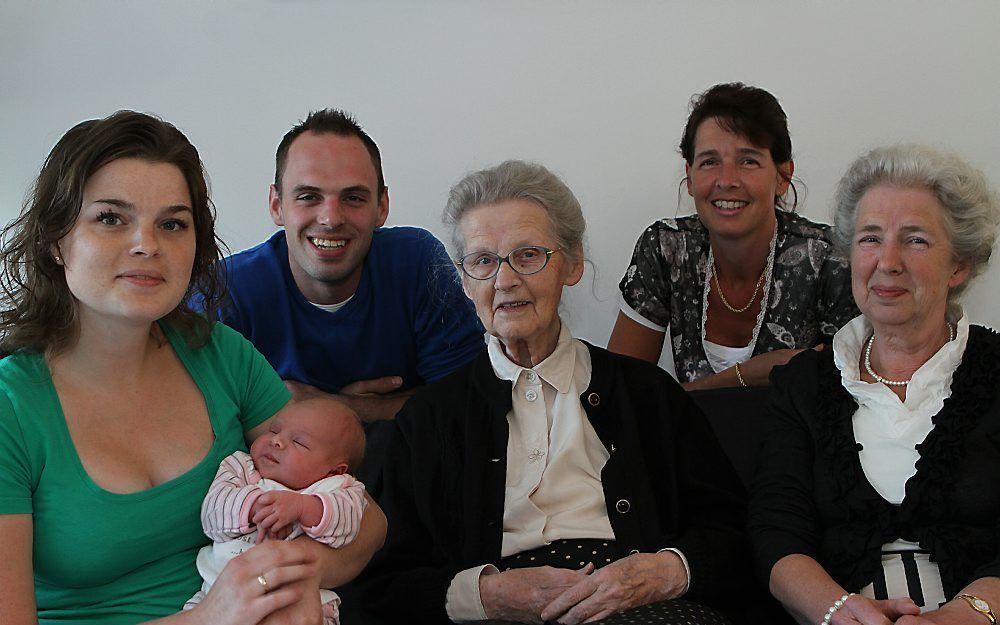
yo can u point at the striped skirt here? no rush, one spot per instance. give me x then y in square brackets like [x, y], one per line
[907, 573]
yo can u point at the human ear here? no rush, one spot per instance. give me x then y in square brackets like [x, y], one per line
[274, 206]
[466, 282]
[785, 171]
[383, 207]
[340, 469]
[960, 275]
[574, 265]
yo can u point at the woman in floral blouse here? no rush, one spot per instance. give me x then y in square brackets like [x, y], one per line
[743, 285]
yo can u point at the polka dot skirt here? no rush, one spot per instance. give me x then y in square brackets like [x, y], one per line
[565, 554]
[674, 612]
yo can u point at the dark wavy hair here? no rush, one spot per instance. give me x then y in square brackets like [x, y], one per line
[38, 310]
[744, 110]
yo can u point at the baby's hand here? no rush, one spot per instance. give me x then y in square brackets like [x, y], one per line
[276, 512]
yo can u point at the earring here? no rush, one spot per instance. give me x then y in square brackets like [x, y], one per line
[57, 259]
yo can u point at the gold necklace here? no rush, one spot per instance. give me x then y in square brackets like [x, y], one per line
[722, 296]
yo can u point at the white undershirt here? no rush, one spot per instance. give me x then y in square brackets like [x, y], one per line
[332, 308]
[554, 462]
[722, 357]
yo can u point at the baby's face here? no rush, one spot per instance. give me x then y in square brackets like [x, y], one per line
[302, 447]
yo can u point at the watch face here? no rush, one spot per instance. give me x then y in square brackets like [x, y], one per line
[981, 605]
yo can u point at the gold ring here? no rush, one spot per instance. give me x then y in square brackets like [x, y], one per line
[263, 582]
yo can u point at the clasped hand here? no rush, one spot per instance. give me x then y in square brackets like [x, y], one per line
[639, 579]
[521, 594]
[376, 386]
[276, 512]
[539, 594]
[757, 370]
[858, 610]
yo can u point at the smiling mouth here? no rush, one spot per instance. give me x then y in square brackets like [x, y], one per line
[511, 305]
[888, 291]
[327, 244]
[729, 205]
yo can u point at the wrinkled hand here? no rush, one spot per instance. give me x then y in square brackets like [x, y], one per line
[864, 611]
[521, 594]
[638, 579]
[375, 386]
[276, 512]
[238, 598]
[757, 370]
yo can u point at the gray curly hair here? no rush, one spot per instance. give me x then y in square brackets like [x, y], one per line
[518, 180]
[971, 206]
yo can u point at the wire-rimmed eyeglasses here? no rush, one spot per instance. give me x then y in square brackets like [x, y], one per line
[524, 260]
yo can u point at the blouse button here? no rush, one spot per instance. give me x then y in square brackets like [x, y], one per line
[531, 395]
[623, 506]
[594, 399]
[532, 376]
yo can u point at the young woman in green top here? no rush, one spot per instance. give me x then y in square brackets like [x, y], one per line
[117, 401]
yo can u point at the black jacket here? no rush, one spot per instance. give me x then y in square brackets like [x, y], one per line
[666, 484]
[811, 495]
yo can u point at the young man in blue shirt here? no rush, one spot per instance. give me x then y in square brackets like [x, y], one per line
[335, 302]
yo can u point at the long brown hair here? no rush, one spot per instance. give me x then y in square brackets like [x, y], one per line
[38, 311]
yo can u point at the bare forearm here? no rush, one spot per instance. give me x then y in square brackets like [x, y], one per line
[339, 566]
[633, 339]
[373, 400]
[376, 407]
[754, 372]
[188, 617]
[804, 588]
[17, 586]
[723, 379]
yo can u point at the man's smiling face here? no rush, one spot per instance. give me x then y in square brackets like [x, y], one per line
[329, 204]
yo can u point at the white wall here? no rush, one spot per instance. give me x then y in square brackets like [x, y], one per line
[598, 91]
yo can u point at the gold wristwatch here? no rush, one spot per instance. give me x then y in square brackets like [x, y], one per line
[979, 605]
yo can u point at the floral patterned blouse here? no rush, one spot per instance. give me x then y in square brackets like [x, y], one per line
[808, 299]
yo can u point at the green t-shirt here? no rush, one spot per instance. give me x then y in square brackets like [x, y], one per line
[102, 557]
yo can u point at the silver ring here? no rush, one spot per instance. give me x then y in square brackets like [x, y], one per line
[263, 582]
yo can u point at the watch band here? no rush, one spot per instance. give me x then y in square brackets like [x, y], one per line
[979, 605]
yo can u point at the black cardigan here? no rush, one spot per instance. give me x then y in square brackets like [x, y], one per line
[666, 484]
[811, 496]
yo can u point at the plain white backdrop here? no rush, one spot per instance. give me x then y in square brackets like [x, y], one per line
[596, 90]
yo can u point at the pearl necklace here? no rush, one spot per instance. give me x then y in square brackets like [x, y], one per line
[722, 296]
[887, 382]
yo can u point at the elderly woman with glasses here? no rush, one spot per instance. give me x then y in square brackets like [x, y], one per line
[549, 480]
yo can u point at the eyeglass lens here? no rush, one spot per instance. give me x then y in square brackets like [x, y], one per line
[524, 260]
